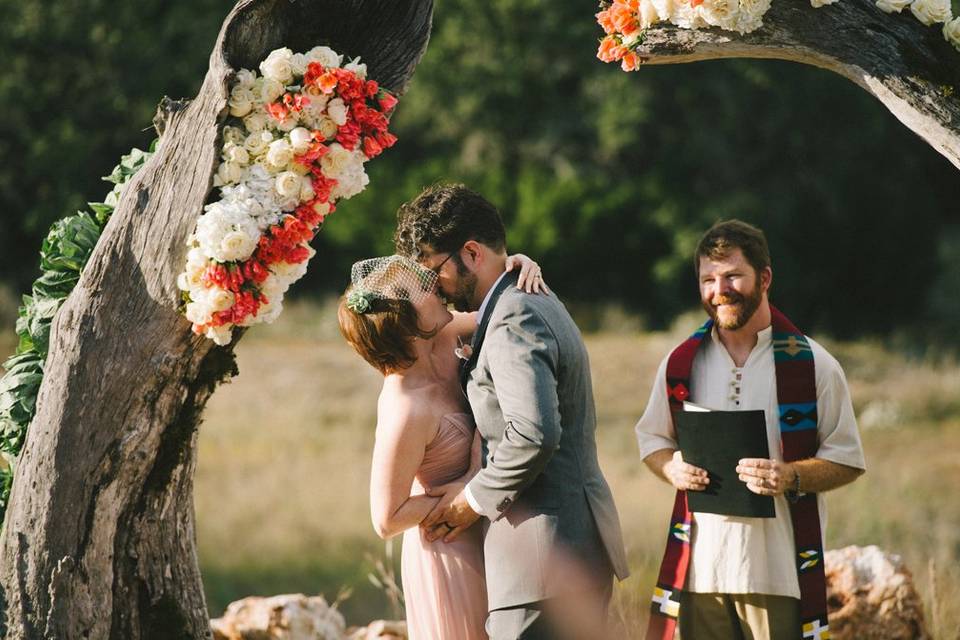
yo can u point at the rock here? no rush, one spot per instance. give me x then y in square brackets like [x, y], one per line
[285, 617]
[381, 630]
[870, 594]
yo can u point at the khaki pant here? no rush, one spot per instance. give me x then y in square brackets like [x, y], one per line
[738, 616]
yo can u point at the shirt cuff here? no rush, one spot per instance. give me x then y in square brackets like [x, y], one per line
[471, 500]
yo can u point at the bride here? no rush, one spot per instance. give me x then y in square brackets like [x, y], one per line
[394, 318]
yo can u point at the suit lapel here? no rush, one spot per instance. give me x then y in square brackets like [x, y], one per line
[507, 280]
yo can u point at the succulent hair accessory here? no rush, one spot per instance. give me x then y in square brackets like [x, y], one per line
[389, 278]
[360, 301]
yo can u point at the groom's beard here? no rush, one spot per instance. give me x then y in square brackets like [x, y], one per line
[465, 287]
[743, 307]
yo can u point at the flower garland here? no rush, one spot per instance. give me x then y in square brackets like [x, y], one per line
[298, 139]
[625, 21]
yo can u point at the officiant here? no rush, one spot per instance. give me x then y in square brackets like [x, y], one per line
[724, 576]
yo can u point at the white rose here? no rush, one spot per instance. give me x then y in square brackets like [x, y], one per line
[257, 143]
[357, 67]
[337, 111]
[325, 56]
[299, 168]
[219, 299]
[893, 6]
[241, 101]
[306, 189]
[951, 32]
[238, 154]
[246, 78]
[237, 245]
[278, 66]
[336, 161]
[327, 128]
[931, 11]
[720, 13]
[183, 282]
[220, 335]
[298, 63]
[198, 312]
[280, 154]
[648, 16]
[664, 8]
[288, 184]
[271, 90]
[233, 135]
[195, 257]
[300, 139]
[255, 121]
[193, 277]
[228, 173]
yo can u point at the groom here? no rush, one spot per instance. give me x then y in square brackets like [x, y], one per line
[553, 542]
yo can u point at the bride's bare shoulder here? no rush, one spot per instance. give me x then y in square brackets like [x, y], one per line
[402, 409]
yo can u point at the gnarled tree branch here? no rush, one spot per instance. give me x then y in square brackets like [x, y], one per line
[99, 539]
[909, 67]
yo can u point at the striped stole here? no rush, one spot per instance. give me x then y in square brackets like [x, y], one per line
[797, 400]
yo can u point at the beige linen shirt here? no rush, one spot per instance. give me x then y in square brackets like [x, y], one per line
[752, 555]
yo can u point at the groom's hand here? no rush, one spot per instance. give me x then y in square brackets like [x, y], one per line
[446, 493]
[456, 518]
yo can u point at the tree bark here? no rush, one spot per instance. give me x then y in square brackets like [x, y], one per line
[909, 67]
[99, 537]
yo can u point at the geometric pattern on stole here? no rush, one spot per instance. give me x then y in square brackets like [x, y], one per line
[797, 403]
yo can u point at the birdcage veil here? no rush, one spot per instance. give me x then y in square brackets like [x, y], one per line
[389, 278]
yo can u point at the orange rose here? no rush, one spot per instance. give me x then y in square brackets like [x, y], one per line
[610, 50]
[631, 61]
[606, 21]
[328, 81]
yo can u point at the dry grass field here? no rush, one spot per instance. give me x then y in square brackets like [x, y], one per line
[281, 486]
[281, 489]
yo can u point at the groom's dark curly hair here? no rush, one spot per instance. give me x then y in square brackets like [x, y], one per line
[444, 217]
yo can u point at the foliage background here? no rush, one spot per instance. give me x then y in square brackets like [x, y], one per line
[606, 178]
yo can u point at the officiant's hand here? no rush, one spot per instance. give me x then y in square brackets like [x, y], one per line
[766, 477]
[456, 518]
[683, 476]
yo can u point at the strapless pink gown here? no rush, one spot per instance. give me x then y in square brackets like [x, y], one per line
[443, 583]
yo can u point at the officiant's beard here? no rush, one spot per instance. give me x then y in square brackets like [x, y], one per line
[746, 306]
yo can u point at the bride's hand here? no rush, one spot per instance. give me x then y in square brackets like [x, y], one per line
[531, 277]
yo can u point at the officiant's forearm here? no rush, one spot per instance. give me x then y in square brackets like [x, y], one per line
[408, 515]
[657, 460]
[818, 475]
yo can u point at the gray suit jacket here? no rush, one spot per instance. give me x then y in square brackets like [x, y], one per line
[553, 522]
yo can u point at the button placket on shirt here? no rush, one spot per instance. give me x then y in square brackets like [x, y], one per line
[736, 384]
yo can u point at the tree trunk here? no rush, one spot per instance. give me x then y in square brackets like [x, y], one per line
[909, 67]
[99, 536]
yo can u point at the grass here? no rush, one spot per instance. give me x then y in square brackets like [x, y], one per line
[284, 454]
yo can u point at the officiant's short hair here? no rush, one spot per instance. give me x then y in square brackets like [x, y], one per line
[444, 217]
[728, 235]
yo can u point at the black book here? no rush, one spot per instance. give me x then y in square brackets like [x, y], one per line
[716, 441]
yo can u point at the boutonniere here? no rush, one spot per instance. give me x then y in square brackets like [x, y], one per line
[463, 351]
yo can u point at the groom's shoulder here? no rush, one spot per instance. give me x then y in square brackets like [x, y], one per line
[515, 303]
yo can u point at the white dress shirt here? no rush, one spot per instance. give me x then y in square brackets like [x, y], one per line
[752, 555]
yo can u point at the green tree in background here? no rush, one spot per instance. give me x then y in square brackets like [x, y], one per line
[606, 178]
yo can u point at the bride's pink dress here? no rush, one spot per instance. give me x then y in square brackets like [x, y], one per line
[443, 583]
